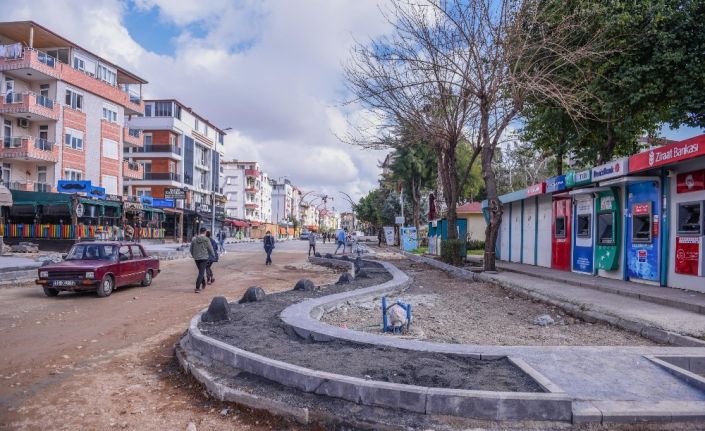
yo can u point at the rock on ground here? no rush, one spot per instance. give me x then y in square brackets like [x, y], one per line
[305, 285]
[544, 320]
[217, 311]
[253, 294]
[344, 278]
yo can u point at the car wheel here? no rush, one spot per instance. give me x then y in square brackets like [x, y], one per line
[147, 280]
[105, 288]
[48, 291]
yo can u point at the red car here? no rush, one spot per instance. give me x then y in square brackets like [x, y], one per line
[99, 266]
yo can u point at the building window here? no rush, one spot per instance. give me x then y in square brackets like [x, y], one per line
[162, 109]
[74, 100]
[147, 110]
[110, 149]
[42, 174]
[110, 114]
[204, 157]
[107, 75]
[177, 111]
[143, 192]
[147, 139]
[73, 175]
[74, 139]
[6, 168]
[197, 125]
[79, 63]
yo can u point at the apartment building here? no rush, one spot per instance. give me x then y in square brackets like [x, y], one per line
[62, 112]
[248, 191]
[283, 202]
[180, 150]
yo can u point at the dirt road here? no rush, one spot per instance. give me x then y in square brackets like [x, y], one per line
[80, 361]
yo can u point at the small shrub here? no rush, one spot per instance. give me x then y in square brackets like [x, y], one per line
[475, 244]
[453, 251]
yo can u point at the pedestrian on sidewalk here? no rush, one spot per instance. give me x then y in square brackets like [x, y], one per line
[379, 237]
[341, 241]
[312, 244]
[268, 246]
[221, 240]
[200, 249]
[211, 258]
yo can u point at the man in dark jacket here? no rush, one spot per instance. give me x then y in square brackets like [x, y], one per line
[211, 258]
[268, 247]
[200, 249]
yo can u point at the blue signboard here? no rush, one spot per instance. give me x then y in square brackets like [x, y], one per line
[555, 184]
[583, 244]
[97, 192]
[69, 186]
[409, 239]
[163, 203]
[642, 227]
[146, 200]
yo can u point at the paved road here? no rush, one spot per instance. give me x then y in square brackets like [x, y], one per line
[77, 354]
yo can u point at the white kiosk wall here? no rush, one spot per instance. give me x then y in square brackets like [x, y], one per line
[529, 230]
[516, 231]
[544, 227]
[504, 234]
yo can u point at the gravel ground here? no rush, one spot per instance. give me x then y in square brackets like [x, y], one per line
[450, 310]
[256, 327]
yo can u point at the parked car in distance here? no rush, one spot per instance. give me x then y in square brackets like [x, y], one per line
[304, 234]
[101, 266]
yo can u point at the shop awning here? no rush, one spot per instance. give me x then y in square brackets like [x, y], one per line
[115, 206]
[236, 223]
[52, 203]
[255, 223]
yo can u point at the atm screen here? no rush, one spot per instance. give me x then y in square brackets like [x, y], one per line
[690, 218]
[584, 225]
[605, 228]
[641, 225]
[560, 227]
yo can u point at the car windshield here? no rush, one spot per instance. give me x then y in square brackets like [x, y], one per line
[92, 252]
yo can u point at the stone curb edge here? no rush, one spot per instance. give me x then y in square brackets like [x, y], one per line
[645, 330]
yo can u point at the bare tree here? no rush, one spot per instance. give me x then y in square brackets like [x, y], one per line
[409, 79]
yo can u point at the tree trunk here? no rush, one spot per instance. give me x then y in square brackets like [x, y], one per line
[608, 148]
[449, 177]
[416, 203]
[494, 207]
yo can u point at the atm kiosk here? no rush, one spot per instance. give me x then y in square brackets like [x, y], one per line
[609, 232]
[561, 233]
[643, 227]
[583, 244]
[690, 237]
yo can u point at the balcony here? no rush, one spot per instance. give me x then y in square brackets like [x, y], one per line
[32, 64]
[162, 176]
[251, 205]
[200, 164]
[251, 188]
[157, 150]
[29, 106]
[29, 186]
[132, 170]
[132, 137]
[254, 173]
[28, 149]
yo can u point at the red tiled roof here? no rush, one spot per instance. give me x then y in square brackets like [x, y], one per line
[470, 208]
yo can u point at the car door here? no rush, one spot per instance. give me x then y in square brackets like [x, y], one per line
[140, 262]
[126, 269]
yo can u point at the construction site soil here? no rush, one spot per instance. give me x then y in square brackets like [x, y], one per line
[256, 327]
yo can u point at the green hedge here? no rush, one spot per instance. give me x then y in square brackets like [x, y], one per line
[476, 245]
[453, 251]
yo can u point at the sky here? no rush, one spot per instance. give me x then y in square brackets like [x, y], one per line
[270, 69]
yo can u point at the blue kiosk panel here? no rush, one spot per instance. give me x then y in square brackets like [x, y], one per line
[643, 224]
[583, 234]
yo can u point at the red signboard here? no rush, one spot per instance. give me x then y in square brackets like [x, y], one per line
[641, 209]
[690, 182]
[671, 153]
[688, 255]
[536, 189]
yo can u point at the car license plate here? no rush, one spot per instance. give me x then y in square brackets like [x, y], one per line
[63, 283]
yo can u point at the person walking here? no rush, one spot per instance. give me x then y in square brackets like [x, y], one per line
[312, 244]
[211, 258]
[200, 249]
[221, 240]
[379, 237]
[341, 241]
[268, 246]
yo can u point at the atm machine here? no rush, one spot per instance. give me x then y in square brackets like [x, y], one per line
[690, 237]
[583, 234]
[643, 227]
[561, 233]
[609, 232]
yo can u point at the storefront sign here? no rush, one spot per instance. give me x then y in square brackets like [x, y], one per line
[132, 206]
[399, 220]
[688, 255]
[573, 179]
[690, 182]
[80, 210]
[641, 208]
[67, 186]
[97, 192]
[203, 208]
[660, 156]
[146, 200]
[536, 189]
[613, 169]
[163, 203]
[555, 184]
[113, 198]
[174, 193]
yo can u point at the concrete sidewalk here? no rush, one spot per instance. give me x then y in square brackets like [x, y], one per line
[677, 298]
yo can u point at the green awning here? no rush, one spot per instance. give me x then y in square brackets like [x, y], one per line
[46, 199]
[103, 205]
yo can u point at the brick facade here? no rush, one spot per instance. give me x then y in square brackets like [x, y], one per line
[73, 158]
[109, 166]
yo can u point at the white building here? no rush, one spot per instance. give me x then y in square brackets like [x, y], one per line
[283, 202]
[247, 190]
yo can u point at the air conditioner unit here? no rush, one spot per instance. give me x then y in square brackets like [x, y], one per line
[23, 122]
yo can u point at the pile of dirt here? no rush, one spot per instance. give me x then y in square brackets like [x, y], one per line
[256, 327]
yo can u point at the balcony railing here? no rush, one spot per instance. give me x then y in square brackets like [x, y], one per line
[28, 102]
[29, 186]
[162, 176]
[44, 101]
[19, 142]
[135, 133]
[134, 166]
[42, 187]
[47, 59]
[157, 148]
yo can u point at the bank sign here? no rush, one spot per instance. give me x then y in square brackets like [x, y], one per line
[555, 184]
[573, 179]
[613, 169]
[667, 154]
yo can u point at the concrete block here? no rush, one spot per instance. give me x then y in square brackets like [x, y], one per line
[461, 403]
[697, 365]
[405, 397]
[585, 412]
[341, 387]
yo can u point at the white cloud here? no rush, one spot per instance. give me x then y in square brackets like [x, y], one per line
[271, 70]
